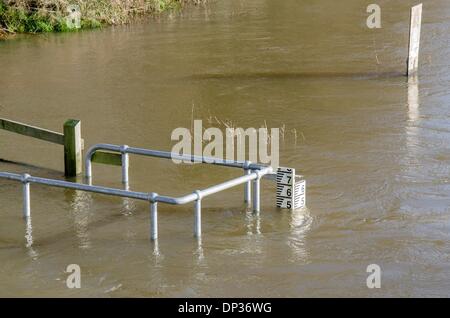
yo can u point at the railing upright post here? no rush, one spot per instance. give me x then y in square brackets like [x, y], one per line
[256, 193]
[153, 217]
[198, 216]
[125, 166]
[72, 148]
[26, 197]
[248, 185]
[88, 171]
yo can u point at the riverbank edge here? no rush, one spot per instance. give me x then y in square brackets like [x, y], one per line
[33, 17]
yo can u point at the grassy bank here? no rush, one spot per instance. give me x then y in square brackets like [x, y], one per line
[36, 16]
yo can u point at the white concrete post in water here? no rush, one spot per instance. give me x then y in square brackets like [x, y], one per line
[153, 217]
[256, 193]
[26, 197]
[198, 216]
[414, 39]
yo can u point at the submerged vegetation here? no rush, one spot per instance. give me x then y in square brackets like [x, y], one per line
[35, 16]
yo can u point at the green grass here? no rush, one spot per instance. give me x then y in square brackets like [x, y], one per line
[20, 20]
[26, 16]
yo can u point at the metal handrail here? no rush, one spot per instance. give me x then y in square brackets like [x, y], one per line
[125, 150]
[152, 197]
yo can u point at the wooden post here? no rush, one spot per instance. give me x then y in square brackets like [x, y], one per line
[414, 39]
[73, 157]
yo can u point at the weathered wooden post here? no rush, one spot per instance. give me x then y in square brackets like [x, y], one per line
[73, 156]
[414, 39]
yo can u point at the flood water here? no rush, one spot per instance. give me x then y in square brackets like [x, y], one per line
[374, 149]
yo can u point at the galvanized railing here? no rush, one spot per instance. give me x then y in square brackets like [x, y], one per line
[153, 198]
[125, 150]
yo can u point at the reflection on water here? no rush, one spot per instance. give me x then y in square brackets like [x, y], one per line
[413, 98]
[32, 253]
[413, 129]
[300, 224]
[298, 75]
[128, 209]
[199, 252]
[156, 251]
[253, 221]
[80, 203]
[128, 206]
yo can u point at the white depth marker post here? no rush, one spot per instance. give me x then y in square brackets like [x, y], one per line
[414, 39]
[291, 189]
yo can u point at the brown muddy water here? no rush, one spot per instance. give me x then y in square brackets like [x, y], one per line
[373, 148]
